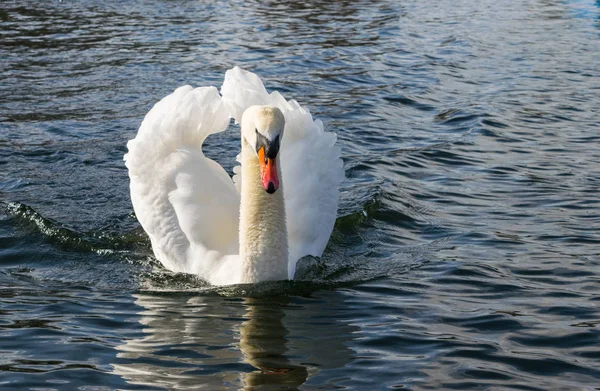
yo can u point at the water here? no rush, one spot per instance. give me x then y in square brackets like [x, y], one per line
[466, 255]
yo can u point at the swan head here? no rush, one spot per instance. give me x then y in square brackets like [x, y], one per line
[262, 128]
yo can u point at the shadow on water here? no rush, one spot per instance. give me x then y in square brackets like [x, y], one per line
[244, 343]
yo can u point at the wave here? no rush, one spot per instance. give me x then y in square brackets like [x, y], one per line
[348, 260]
[101, 242]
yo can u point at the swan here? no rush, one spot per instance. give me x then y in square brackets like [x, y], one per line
[279, 206]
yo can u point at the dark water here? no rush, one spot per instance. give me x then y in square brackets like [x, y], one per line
[467, 252]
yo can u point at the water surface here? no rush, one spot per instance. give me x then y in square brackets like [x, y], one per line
[466, 255]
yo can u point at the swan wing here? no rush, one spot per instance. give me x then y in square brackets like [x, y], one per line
[312, 172]
[185, 201]
[311, 165]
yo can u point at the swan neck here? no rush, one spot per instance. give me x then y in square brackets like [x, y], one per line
[263, 231]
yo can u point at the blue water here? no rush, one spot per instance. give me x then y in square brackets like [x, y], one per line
[466, 253]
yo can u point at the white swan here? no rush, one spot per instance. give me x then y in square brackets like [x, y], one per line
[228, 231]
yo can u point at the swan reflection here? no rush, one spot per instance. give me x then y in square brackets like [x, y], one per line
[217, 343]
[263, 344]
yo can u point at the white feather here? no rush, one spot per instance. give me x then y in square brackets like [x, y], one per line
[188, 204]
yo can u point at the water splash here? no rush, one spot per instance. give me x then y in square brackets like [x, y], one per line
[130, 254]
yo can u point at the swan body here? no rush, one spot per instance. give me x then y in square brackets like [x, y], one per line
[279, 206]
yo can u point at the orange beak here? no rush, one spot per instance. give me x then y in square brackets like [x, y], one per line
[268, 172]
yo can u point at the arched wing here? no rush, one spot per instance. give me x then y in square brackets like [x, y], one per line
[185, 201]
[312, 172]
[311, 165]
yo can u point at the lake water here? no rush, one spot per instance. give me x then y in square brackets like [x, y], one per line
[466, 255]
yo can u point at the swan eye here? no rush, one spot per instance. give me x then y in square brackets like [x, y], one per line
[271, 146]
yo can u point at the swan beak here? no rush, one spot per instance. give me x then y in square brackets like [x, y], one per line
[268, 172]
